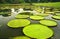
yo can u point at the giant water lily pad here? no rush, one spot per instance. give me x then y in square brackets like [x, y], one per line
[19, 37]
[22, 16]
[58, 14]
[50, 12]
[18, 23]
[57, 11]
[56, 17]
[48, 22]
[38, 31]
[43, 14]
[36, 17]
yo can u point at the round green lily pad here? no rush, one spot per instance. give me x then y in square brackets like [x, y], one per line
[57, 11]
[18, 23]
[56, 17]
[36, 17]
[44, 14]
[58, 14]
[38, 31]
[48, 22]
[19, 37]
[22, 16]
[50, 12]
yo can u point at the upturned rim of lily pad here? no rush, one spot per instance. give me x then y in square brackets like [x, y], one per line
[21, 16]
[41, 38]
[35, 17]
[19, 37]
[48, 22]
[56, 17]
[16, 23]
[37, 31]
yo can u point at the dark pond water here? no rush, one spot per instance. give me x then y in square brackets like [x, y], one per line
[6, 32]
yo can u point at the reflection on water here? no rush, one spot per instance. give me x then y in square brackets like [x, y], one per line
[6, 31]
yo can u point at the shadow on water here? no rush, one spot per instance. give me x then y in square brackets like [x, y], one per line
[6, 31]
[5, 15]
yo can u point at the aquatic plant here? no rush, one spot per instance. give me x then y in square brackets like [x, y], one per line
[56, 17]
[19, 37]
[48, 22]
[36, 17]
[37, 31]
[22, 16]
[18, 23]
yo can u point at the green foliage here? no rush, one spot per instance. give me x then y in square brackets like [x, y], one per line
[18, 23]
[22, 16]
[38, 31]
[19, 37]
[11, 1]
[48, 22]
[23, 1]
[55, 5]
[36, 17]
[56, 17]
